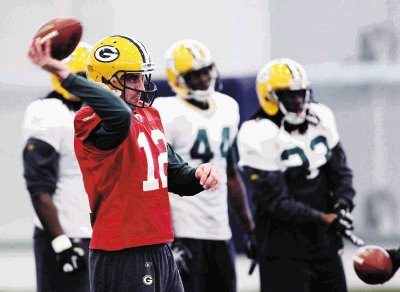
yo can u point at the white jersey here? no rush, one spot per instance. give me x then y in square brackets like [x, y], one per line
[201, 136]
[51, 121]
[265, 146]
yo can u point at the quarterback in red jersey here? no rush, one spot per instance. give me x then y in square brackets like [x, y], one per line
[127, 166]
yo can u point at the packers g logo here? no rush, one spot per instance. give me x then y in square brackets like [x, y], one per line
[106, 54]
[147, 280]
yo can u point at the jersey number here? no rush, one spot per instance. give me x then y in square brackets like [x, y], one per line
[152, 182]
[201, 148]
[298, 151]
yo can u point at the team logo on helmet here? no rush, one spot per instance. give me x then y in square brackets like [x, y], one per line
[106, 54]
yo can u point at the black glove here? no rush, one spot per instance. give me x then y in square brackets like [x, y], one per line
[395, 257]
[70, 256]
[182, 256]
[250, 246]
[344, 220]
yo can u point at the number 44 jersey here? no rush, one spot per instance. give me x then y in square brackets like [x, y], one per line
[201, 136]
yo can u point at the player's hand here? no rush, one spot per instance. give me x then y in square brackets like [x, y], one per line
[250, 247]
[343, 212]
[344, 220]
[70, 257]
[40, 55]
[395, 257]
[182, 256]
[208, 176]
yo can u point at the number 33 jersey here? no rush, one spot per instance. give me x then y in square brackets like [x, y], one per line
[266, 146]
[201, 136]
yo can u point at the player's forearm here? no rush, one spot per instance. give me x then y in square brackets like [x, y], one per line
[47, 213]
[110, 108]
[272, 194]
[341, 176]
[181, 177]
[238, 202]
[114, 113]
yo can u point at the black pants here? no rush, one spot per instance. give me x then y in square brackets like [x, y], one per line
[289, 275]
[48, 277]
[212, 267]
[139, 269]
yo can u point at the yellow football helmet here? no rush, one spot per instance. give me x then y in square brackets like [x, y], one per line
[185, 56]
[76, 62]
[115, 56]
[281, 74]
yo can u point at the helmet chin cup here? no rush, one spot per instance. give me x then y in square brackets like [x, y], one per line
[294, 118]
[202, 95]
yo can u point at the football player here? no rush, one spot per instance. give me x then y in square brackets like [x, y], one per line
[302, 186]
[126, 166]
[394, 254]
[54, 181]
[201, 125]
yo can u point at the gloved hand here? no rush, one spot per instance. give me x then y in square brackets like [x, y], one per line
[70, 257]
[395, 257]
[344, 220]
[182, 256]
[250, 246]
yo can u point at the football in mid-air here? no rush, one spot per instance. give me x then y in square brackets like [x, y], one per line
[65, 34]
[372, 264]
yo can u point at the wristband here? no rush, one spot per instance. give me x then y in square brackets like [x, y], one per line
[61, 243]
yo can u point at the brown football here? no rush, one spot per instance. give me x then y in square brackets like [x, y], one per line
[65, 34]
[372, 264]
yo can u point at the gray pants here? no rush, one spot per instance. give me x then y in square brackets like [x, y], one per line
[48, 276]
[141, 269]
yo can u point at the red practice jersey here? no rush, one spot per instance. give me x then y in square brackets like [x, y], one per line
[127, 185]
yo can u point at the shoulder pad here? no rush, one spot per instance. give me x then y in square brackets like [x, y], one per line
[327, 120]
[257, 144]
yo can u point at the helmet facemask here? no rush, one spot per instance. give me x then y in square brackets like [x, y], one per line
[294, 104]
[200, 83]
[147, 92]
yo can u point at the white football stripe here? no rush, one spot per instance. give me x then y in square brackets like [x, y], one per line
[358, 260]
[49, 36]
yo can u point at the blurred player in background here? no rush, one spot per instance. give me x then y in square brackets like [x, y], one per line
[54, 181]
[395, 257]
[121, 149]
[201, 125]
[302, 187]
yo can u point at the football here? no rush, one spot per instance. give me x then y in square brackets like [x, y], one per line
[372, 264]
[65, 34]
